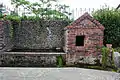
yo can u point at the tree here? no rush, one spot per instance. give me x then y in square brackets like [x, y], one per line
[18, 3]
[110, 18]
[44, 8]
[41, 8]
[35, 8]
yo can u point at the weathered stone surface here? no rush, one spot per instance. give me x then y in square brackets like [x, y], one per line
[5, 32]
[117, 59]
[14, 59]
[35, 35]
[77, 58]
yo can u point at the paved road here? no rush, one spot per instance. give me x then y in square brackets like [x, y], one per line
[56, 74]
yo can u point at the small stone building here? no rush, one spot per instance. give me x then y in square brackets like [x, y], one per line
[82, 42]
[83, 39]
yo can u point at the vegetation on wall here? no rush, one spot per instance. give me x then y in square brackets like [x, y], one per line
[110, 18]
[59, 61]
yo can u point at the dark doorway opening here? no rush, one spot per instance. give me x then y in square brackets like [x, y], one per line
[80, 40]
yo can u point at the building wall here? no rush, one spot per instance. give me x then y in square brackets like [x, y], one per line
[32, 34]
[5, 35]
[92, 42]
[35, 34]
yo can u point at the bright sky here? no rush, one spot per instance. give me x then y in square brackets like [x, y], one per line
[90, 3]
[80, 3]
[96, 4]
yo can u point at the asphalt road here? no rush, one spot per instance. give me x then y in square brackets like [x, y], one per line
[55, 74]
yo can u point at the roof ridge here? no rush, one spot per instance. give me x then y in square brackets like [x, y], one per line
[86, 15]
[80, 18]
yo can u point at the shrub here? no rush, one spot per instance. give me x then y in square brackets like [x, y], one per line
[107, 58]
[59, 61]
[117, 49]
[110, 18]
[105, 52]
[12, 18]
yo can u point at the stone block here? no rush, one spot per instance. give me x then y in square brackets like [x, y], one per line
[117, 59]
[28, 59]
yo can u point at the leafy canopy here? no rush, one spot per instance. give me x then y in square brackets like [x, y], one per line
[110, 18]
[44, 8]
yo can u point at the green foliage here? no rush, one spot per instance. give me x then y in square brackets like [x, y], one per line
[107, 57]
[12, 18]
[36, 11]
[63, 9]
[118, 70]
[20, 2]
[43, 9]
[48, 13]
[105, 53]
[32, 18]
[110, 18]
[1, 13]
[60, 61]
[117, 49]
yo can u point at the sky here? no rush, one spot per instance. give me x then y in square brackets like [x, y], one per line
[80, 3]
[90, 3]
[96, 4]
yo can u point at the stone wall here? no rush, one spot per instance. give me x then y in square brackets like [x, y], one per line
[16, 59]
[39, 34]
[5, 35]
